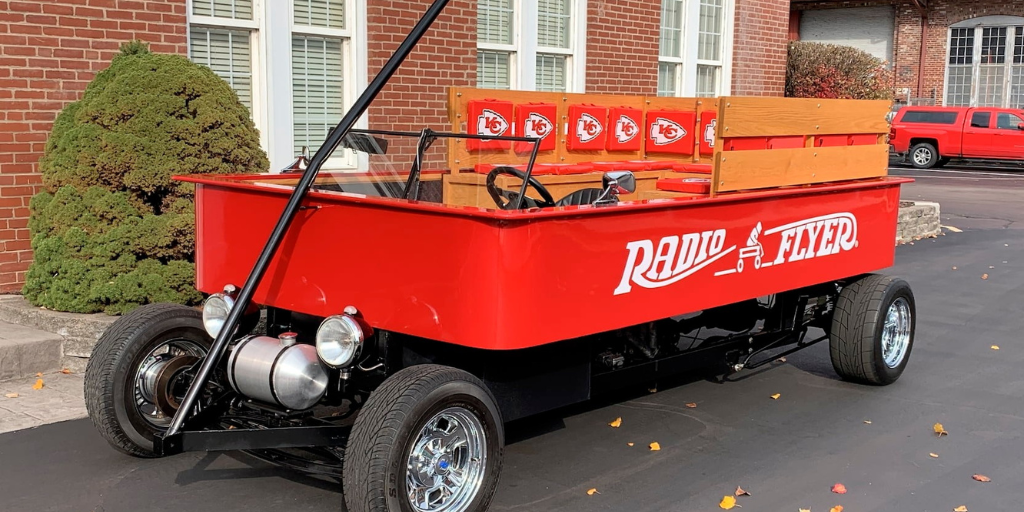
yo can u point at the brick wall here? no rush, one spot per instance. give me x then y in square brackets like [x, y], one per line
[49, 51]
[622, 46]
[760, 41]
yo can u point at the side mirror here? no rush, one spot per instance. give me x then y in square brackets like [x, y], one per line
[1020, 126]
[619, 182]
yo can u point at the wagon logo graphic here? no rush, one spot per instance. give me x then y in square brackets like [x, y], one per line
[709, 133]
[651, 264]
[491, 123]
[537, 126]
[625, 129]
[665, 131]
[588, 128]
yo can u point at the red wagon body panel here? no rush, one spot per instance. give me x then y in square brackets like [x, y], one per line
[508, 280]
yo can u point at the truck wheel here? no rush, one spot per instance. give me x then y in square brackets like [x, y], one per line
[430, 438]
[873, 330]
[135, 377]
[924, 155]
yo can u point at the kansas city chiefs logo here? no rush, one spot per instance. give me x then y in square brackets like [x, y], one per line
[709, 133]
[665, 131]
[537, 126]
[625, 129]
[491, 123]
[588, 128]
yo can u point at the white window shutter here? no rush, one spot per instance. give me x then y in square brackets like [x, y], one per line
[320, 13]
[234, 9]
[553, 27]
[228, 54]
[317, 89]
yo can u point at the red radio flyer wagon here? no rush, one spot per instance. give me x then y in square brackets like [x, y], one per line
[410, 310]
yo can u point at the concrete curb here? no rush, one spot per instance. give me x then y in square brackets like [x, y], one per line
[77, 332]
[917, 220]
[25, 351]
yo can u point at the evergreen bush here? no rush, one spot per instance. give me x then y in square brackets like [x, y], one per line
[112, 231]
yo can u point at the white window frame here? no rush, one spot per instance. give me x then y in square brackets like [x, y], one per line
[686, 65]
[271, 32]
[977, 25]
[524, 49]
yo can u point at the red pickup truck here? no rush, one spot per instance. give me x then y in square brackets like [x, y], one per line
[932, 136]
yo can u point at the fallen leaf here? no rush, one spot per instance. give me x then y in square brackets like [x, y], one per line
[776, 396]
[591, 492]
[781, 359]
[961, 508]
[954, 229]
[66, 371]
[940, 430]
[837, 508]
[933, 455]
[741, 492]
[995, 347]
[727, 502]
[981, 478]
[653, 390]
[616, 424]
[39, 374]
[954, 268]
[990, 266]
[804, 510]
[839, 488]
[38, 385]
[655, 446]
[1006, 245]
[867, 422]
[11, 395]
[984, 276]
[691, 405]
[629, 444]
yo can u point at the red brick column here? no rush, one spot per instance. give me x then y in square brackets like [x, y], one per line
[49, 51]
[760, 40]
[622, 46]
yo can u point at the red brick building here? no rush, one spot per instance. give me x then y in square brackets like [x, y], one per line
[297, 64]
[943, 52]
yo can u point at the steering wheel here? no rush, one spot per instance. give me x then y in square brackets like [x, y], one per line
[505, 199]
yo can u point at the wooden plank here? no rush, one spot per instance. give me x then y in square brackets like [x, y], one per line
[746, 170]
[761, 117]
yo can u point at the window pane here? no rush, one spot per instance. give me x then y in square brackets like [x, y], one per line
[993, 45]
[1006, 121]
[981, 119]
[961, 46]
[227, 53]
[667, 79]
[990, 85]
[492, 70]
[553, 23]
[494, 22]
[670, 44]
[928, 116]
[958, 89]
[709, 41]
[235, 9]
[317, 89]
[707, 80]
[320, 13]
[551, 72]
[1017, 71]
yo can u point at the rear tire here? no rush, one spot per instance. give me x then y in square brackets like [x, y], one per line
[403, 424]
[924, 155]
[112, 387]
[873, 330]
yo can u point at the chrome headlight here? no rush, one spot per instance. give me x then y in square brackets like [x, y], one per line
[339, 341]
[215, 312]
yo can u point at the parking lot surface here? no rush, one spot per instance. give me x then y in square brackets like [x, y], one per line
[787, 452]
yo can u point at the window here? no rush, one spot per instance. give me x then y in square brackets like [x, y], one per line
[531, 44]
[985, 65]
[694, 47]
[981, 119]
[297, 49]
[1007, 121]
[928, 117]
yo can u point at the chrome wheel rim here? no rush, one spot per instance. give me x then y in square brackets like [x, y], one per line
[922, 156]
[446, 462]
[149, 373]
[896, 332]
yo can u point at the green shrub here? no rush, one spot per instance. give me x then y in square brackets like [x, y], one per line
[816, 70]
[112, 231]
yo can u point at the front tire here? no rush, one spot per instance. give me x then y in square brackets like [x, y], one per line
[136, 372]
[924, 155]
[429, 438]
[873, 330]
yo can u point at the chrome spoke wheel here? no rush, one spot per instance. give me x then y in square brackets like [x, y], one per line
[922, 156]
[896, 332]
[446, 462]
[158, 379]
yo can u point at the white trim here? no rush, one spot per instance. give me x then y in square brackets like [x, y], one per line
[686, 65]
[213, 21]
[729, 15]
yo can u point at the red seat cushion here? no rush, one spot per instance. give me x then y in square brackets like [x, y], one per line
[697, 168]
[625, 165]
[688, 185]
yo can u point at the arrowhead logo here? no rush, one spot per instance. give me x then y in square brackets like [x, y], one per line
[491, 123]
[625, 129]
[709, 133]
[537, 126]
[588, 128]
[665, 131]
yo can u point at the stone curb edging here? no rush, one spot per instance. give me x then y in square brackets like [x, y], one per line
[917, 220]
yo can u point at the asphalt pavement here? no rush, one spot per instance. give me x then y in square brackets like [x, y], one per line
[787, 452]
